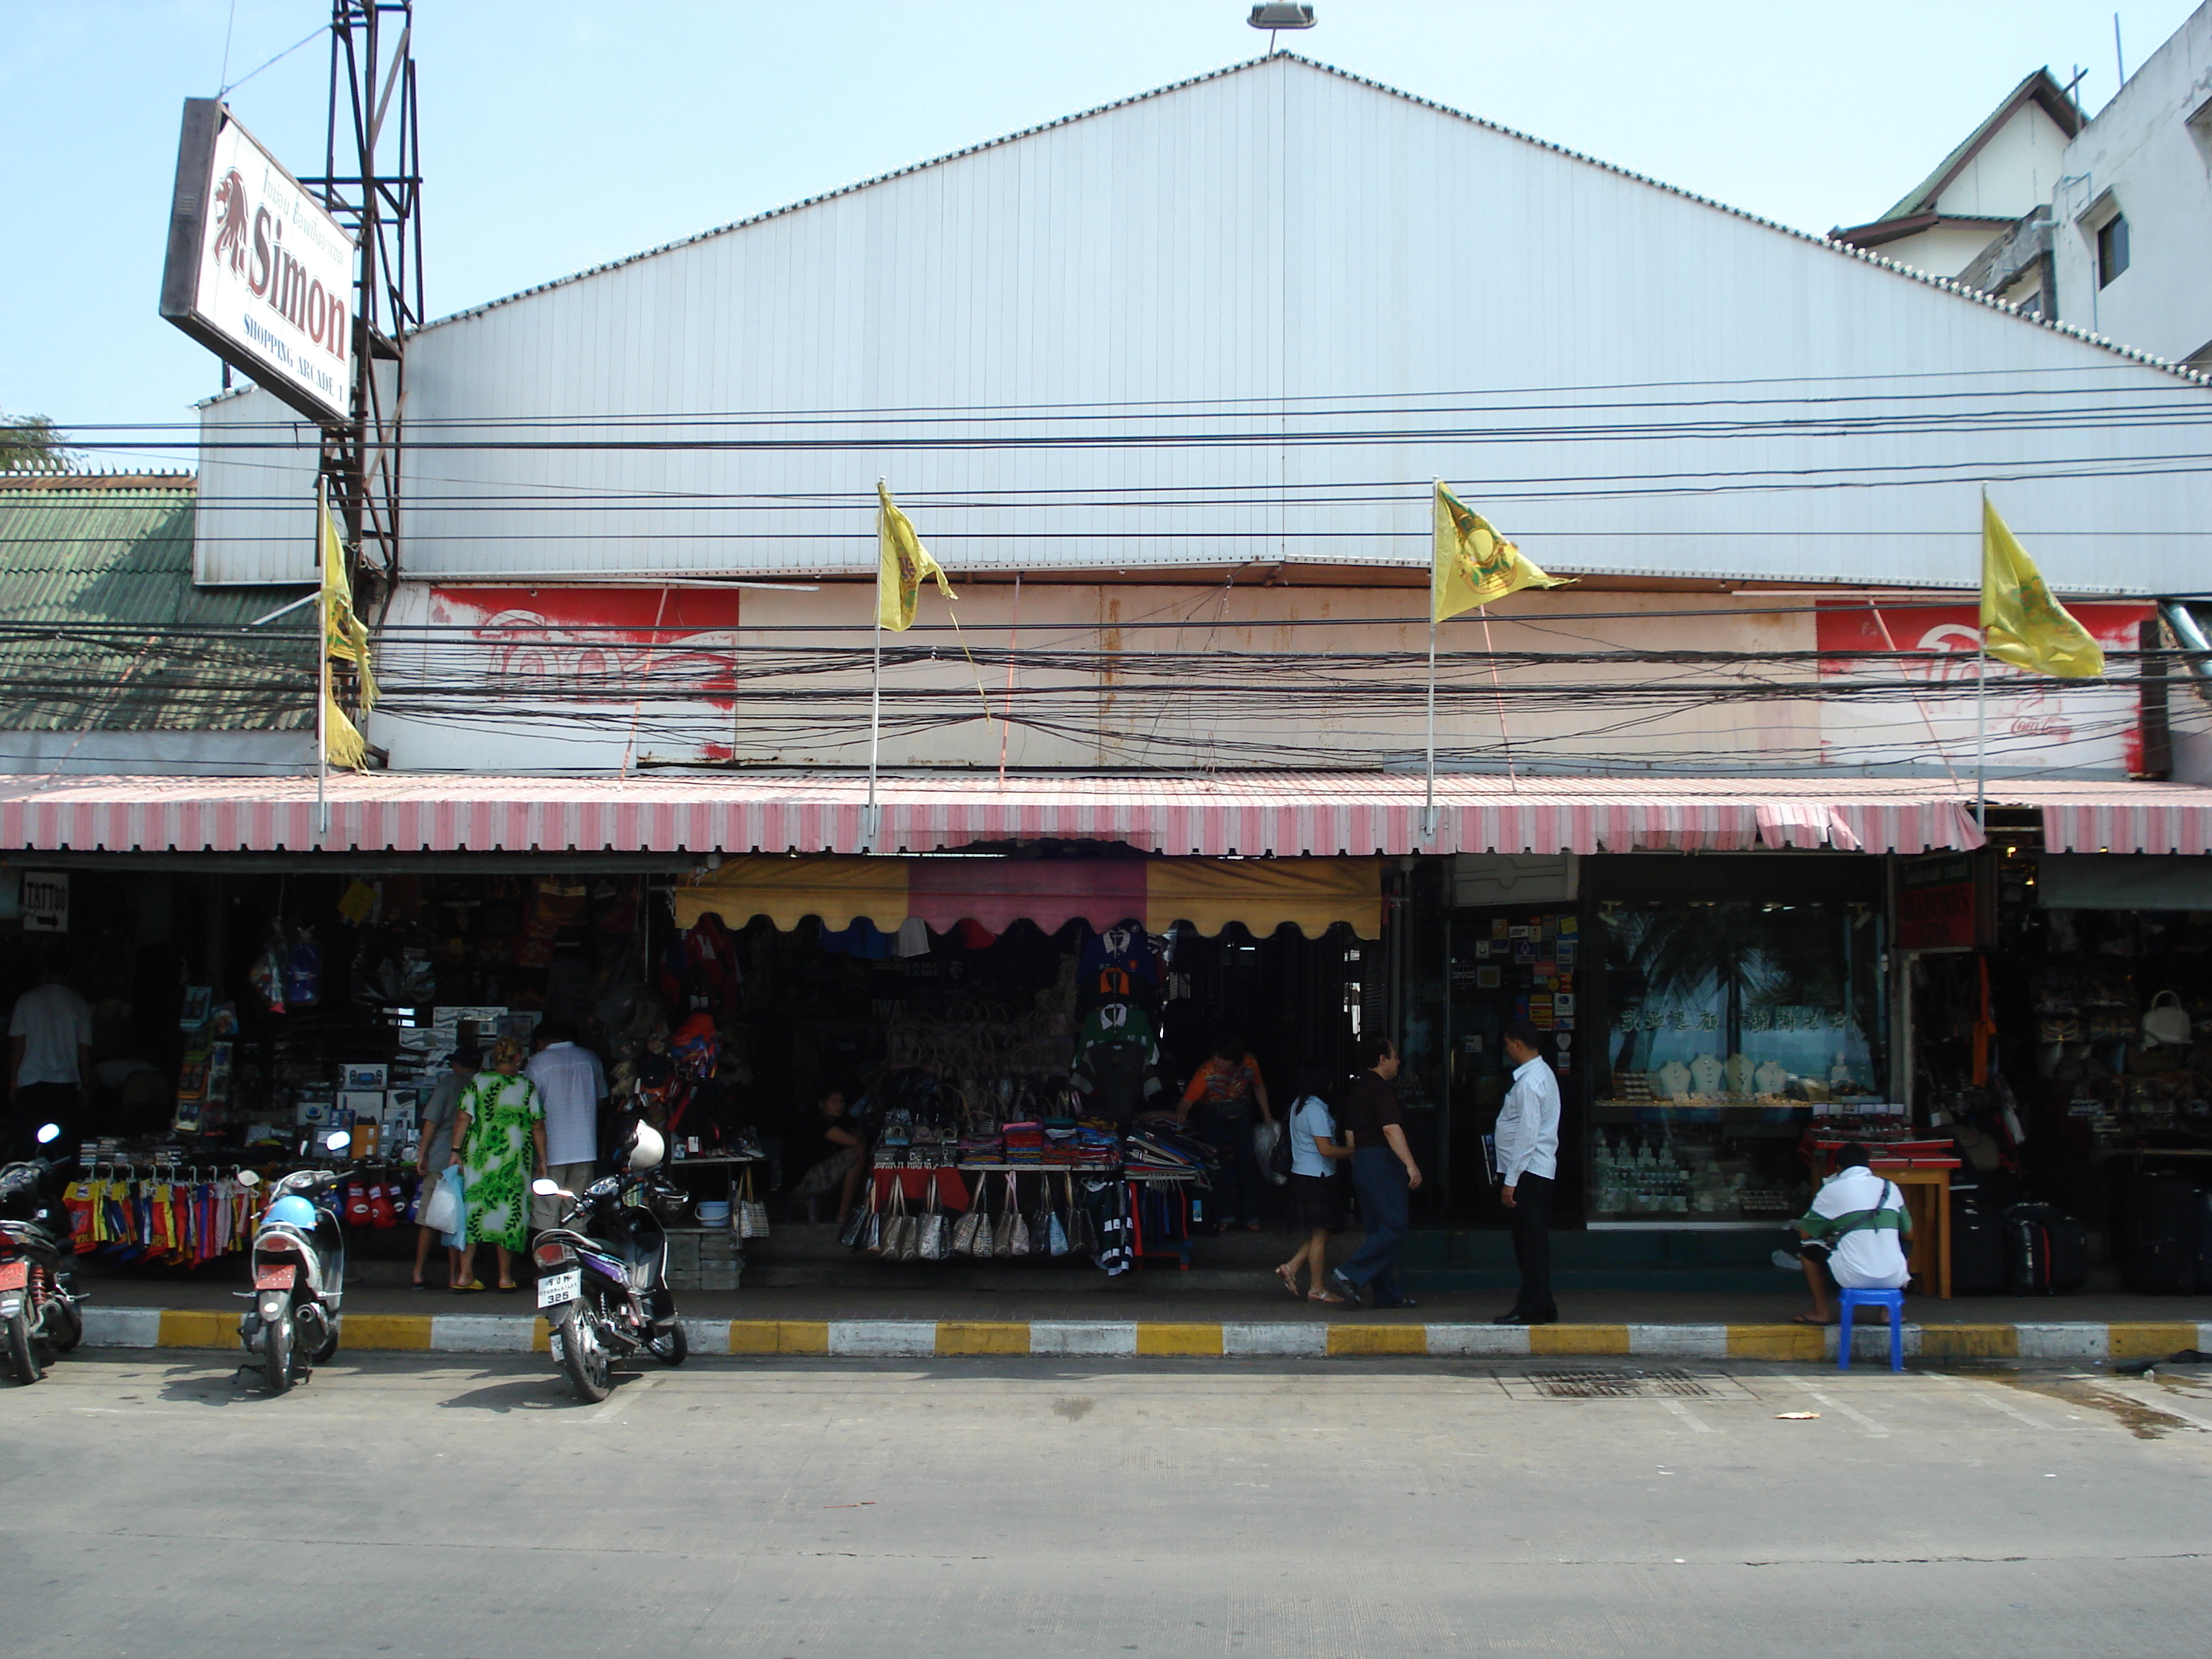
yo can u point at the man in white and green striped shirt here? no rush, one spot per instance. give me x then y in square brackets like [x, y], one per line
[1854, 1233]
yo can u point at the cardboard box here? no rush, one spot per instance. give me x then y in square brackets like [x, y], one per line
[361, 1105]
[364, 1076]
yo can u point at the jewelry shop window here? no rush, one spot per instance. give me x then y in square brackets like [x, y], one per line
[1731, 1023]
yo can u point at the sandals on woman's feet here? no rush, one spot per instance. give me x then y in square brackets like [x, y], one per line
[1323, 1296]
[1290, 1281]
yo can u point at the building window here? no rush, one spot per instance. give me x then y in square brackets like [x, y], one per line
[2111, 249]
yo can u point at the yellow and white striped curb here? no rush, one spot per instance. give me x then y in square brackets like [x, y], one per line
[928, 1338]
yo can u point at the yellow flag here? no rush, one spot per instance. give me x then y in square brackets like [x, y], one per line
[1475, 565]
[2021, 623]
[904, 564]
[343, 636]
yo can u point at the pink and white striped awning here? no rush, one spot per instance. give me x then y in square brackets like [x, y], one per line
[1254, 815]
[2120, 818]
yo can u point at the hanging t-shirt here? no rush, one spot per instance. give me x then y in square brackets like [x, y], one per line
[1118, 963]
[1311, 1122]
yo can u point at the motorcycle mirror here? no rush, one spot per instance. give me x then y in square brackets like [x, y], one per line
[49, 1134]
[337, 1140]
[545, 1188]
[247, 1178]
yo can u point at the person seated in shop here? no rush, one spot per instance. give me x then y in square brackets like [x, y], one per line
[1853, 1236]
[832, 1146]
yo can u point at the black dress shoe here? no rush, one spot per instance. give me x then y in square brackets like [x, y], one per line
[1402, 1301]
[1344, 1287]
[1516, 1317]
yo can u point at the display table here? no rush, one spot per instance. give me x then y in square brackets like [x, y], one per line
[730, 1165]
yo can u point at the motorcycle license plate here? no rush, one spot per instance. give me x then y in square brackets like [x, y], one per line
[276, 1276]
[15, 1275]
[557, 1288]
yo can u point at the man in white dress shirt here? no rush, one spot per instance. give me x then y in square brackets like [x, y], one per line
[1527, 1140]
[573, 1085]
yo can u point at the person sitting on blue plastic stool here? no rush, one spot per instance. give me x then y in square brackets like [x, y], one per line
[1853, 1235]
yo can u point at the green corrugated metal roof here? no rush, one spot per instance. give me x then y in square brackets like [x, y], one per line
[101, 626]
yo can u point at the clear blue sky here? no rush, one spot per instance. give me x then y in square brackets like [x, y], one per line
[558, 135]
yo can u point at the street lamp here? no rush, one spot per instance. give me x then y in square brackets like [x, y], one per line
[1271, 17]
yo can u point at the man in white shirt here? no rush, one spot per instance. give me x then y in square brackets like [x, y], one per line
[49, 1062]
[1854, 1232]
[571, 1083]
[1527, 1143]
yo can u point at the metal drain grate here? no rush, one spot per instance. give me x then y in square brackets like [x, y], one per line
[1659, 1384]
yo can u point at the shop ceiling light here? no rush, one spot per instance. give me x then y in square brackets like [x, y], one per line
[1281, 17]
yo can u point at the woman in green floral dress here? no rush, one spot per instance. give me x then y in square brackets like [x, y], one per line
[499, 1135]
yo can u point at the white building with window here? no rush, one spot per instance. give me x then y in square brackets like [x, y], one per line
[2132, 215]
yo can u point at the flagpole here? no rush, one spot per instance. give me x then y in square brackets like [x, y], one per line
[1981, 730]
[322, 661]
[1429, 811]
[1982, 681]
[871, 819]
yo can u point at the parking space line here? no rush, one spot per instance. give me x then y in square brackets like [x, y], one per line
[1688, 1416]
[1833, 1404]
[1995, 1401]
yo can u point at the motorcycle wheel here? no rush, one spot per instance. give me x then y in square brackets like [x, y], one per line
[22, 1360]
[672, 1348]
[584, 1356]
[328, 1351]
[276, 1354]
[67, 1323]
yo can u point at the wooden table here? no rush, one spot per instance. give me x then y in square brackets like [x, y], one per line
[1927, 1200]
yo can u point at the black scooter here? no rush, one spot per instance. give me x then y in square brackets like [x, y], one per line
[39, 1300]
[602, 1275]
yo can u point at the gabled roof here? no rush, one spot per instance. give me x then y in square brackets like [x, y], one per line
[100, 625]
[2039, 88]
[1916, 210]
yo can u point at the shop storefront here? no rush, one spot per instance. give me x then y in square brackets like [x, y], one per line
[1726, 985]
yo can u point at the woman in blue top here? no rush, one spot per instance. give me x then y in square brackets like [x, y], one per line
[1314, 1152]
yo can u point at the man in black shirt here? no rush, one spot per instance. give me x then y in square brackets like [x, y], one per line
[1384, 1175]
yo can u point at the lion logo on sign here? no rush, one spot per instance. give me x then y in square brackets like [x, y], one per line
[230, 215]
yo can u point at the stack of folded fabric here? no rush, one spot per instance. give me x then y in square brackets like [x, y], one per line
[982, 1149]
[1025, 1143]
[1155, 1147]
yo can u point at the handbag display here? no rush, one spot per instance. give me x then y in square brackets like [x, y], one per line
[2166, 1021]
[965, 1230]
[934, 1240]
[901, 1231]
[1056, 1231]
[1002, 1235]
[752, 1214]
[872, 1235]
[853, 1234]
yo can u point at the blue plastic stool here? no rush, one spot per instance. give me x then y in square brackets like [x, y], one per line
[1894, 1302]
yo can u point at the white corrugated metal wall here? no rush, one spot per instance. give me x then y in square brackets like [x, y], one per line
[1247, 320]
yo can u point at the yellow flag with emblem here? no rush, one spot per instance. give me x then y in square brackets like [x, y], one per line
[1475, 565]
[904, 565]
[343, 637]
[2021, 623]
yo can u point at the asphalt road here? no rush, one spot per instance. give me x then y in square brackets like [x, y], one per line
[156, 1505]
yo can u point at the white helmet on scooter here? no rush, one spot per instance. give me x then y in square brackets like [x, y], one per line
[643, 1148]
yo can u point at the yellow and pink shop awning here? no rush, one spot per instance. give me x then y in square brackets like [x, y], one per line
[1310, 894]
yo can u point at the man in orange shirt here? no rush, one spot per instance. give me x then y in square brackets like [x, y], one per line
[1224, 1090]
